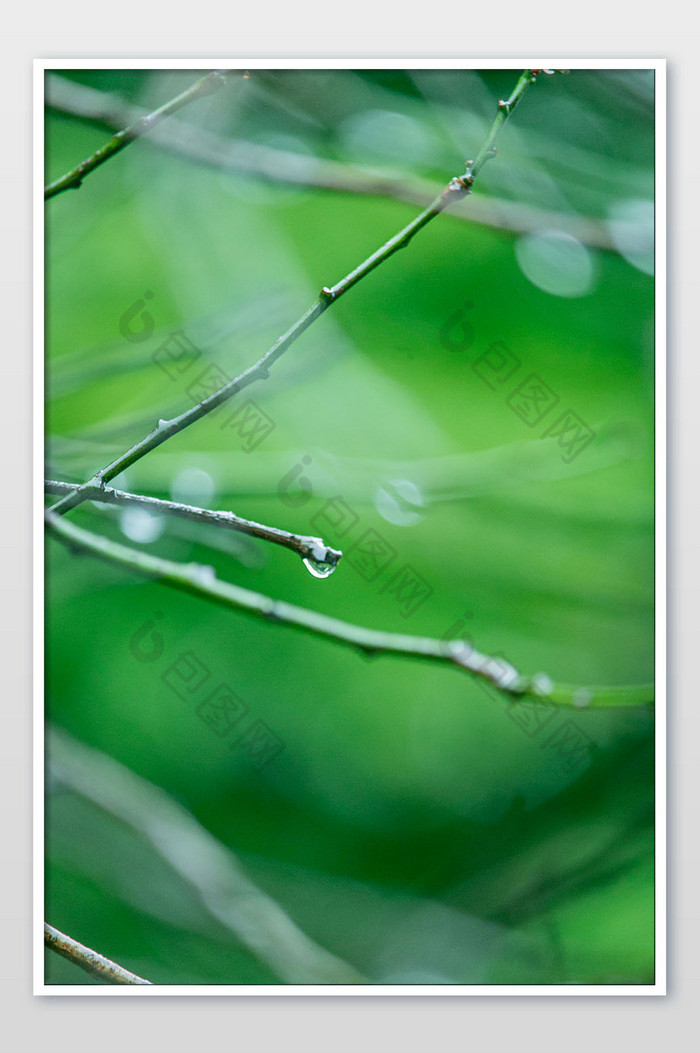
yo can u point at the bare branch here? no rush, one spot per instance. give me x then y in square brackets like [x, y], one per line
[73, 179]
[208, 866]
[457, 188]
[92, 962]
[313, 550]
[283, 166]
[202, 581]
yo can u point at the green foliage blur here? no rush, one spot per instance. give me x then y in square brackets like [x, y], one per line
[412, 822]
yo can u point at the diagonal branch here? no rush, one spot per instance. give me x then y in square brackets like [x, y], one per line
[313, 550]
[209, 867]
[73, 179]
[92, 962]
[197, 145]
[201, 581]
[456, 189]
[505, 108]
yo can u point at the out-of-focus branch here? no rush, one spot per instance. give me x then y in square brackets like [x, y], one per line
[283, 166]
[208, 867]
[313, 549]
[141, 126]
[92, 962]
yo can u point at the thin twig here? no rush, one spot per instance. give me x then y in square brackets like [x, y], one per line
[73, 179]
[210, 869]
[92, 962]
[200, 580]
[457, 188]
[505, 108]
[197, 145]
[165, 429]
[309, 548]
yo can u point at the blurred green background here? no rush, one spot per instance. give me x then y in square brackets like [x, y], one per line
[412, 822]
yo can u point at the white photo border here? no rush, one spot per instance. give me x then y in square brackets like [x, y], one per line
[658, 988]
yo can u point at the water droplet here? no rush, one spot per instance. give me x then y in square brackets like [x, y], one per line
[321, 561]
[460, 651]
[542, 684]
[318, 567]
[203, 573]
[508, 676]
[582, 697]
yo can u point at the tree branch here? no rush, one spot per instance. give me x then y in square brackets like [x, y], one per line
[457, 188]
[313, 550]
[201, 581]
[505, 108]
[73, 179]
[283, 166]
[165, 429]
[207, 866]
[92, 962]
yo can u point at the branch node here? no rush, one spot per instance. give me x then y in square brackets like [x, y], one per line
[97, 480]
[460, 185]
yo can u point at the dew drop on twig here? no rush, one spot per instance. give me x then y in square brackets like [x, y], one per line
[542, 684]
[319, 568]
[203, 574]
[582, 697]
